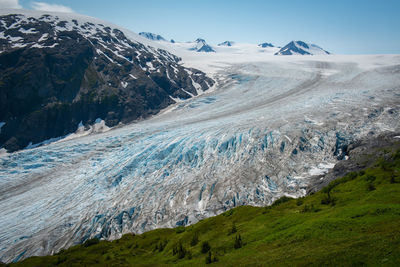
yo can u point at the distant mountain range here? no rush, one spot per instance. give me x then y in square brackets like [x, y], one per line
[292, 48]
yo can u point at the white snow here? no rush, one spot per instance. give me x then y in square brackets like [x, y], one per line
[29, 31]
[132, 76]
[150, 66]
[124, 84]
[44, 46]
[43, 37]
[98, 51]
[15, 39]
[321, 169]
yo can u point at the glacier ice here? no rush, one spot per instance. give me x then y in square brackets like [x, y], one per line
[256, 137]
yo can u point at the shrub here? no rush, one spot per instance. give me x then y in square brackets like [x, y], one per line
[160, 246]
[384, 165]
[195, 240]
[352, 175]
[299, 202]
[179, 250]
[189, 254]
[311, 208]
[238, 242]
[233, 229]
[91, 242]
[228, 213]
[208, 258]
[211, 258]
[328, 200]
[370, 187]
[393, 179]
[205, 247]
[180, 229]
[370, 178]
[281, 200]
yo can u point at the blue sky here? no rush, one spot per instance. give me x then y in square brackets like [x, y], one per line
[341, 27]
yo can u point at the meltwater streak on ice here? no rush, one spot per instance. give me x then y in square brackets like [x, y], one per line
[259, 137]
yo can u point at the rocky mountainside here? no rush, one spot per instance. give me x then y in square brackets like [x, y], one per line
[60, 72]
[301, 48]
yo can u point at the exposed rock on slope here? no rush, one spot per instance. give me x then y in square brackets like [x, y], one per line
[56, 73]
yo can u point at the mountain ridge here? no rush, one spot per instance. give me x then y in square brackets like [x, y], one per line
[102, 74]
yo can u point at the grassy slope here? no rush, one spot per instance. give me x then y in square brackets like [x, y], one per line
[361, 227]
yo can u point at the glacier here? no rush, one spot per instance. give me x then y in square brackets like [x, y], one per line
[262, 133]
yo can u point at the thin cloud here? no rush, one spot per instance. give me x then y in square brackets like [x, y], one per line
[10, 4]
[51, 7]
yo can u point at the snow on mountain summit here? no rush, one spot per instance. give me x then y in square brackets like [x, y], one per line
[200, 45]
[264, 45]
[226, 43]
[301, 48]
[152, 36]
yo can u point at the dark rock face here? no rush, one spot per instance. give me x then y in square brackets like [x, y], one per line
[361, 154]
[55, 74]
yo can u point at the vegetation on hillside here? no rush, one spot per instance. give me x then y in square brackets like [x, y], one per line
[353, 221]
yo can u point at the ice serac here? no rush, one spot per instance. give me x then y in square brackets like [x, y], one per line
[301, 48]
[61, 69]
[262, 135]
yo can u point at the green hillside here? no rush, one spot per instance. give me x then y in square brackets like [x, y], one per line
[354, 221]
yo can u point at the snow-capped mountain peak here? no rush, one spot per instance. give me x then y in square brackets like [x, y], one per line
[226, 43]
[200, 45]
[152, 36]
[265, 45]
[301, 48]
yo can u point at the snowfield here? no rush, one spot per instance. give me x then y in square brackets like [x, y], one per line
[270, 124]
